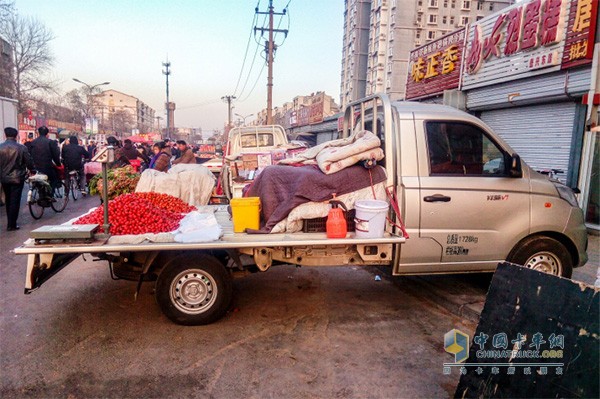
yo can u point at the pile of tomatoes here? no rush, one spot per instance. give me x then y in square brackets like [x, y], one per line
[140, 213]
[167, 202]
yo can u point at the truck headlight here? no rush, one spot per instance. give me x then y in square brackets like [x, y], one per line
[567, 194]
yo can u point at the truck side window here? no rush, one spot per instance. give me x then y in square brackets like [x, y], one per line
[462, 149]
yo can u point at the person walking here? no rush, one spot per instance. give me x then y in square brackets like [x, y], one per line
[14, 163]
[186, 154]
[46, 156]
[73, 155]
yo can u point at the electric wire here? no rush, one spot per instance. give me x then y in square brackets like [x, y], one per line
[265, 56]
[246, 52]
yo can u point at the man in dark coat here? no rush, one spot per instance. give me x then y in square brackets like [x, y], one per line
[73, 155]
[14, 162]
[46, 156]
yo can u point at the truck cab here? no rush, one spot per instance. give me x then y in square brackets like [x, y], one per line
[467, 199]
[246, 146]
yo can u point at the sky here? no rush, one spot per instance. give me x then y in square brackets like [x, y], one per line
[126, 42]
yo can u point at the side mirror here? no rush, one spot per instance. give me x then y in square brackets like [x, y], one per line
[515, 166]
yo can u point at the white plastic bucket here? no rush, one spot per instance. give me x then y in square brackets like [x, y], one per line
[370, 218]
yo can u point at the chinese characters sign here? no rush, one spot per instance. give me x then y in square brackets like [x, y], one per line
[579, 46]
[436, 66]
[529, 39]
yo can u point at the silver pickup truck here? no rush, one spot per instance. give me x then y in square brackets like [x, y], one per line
[468, 202]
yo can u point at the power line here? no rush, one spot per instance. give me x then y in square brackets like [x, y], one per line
[270, 48]
[246, 52]
[255, 83]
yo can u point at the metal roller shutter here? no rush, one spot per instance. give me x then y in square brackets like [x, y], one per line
[540, 134]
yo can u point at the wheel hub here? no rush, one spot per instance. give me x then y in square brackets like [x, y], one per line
[545, 262]
[193, 291]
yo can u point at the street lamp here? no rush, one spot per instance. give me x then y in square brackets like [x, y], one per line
[90, 89]
[243, 117]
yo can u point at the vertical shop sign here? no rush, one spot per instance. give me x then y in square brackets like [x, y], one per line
[581, 29]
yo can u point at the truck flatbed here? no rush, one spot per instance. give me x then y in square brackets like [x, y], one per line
[228, 240]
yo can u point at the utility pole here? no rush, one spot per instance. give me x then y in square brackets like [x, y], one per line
[228, 100]
[270, 48]
[167, 72]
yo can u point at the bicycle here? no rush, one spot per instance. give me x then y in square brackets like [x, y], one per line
[73, 184]
[41, 196]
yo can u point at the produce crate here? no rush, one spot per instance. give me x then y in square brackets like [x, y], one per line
[319, 225]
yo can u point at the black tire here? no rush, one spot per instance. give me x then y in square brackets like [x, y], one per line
[194, 290]
[74, 188]
[61, 197]
[226, 181]
[35, 209]
[544, 254]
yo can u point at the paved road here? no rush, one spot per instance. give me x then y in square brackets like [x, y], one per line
[292, 332]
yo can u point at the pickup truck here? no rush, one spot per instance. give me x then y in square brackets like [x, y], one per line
[248, 141]
[467, 199]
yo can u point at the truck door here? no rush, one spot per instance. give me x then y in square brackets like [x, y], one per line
[470, 205]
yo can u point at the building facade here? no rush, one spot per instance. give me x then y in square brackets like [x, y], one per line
[357, 15]
[6, 69]
[392, 28]
[121, 113]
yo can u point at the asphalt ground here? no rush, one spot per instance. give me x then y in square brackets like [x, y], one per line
[291, 332]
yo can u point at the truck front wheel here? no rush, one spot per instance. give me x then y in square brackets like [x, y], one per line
[194, 291]
[544, 254]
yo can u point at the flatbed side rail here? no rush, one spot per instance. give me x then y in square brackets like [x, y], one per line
[227, 242]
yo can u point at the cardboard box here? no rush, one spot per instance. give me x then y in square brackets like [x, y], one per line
[256, 161]
[250, 161]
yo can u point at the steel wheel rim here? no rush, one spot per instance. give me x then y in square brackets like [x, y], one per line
[546, 262]
[193, 291]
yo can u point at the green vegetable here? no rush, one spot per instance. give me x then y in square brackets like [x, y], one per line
[120, 181]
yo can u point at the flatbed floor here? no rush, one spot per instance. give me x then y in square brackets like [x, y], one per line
[228, 240]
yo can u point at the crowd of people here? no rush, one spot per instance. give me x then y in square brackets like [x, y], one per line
[47, 156]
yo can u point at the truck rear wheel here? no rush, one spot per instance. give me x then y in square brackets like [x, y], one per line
[194, 291]
[544, 254]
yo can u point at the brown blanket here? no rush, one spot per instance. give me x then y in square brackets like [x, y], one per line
[282, 188]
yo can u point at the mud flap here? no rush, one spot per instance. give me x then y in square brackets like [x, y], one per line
[537, 337]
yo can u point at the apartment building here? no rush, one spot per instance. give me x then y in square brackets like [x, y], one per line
[395, 27]
[357, 15]
[120, 111]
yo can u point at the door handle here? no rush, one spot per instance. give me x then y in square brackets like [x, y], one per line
[437, 198]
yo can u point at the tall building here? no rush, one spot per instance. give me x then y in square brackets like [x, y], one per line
[395, 27]
[355, 50]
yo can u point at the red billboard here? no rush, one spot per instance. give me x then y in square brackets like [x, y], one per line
[436, 66]
[581, 29]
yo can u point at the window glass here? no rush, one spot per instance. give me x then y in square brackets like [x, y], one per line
[250, 140]
[462, 149]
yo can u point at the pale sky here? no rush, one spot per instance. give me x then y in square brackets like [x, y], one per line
[126, 41]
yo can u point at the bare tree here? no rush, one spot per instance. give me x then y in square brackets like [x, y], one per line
[120, 121]
[6, 10]
[30, 42]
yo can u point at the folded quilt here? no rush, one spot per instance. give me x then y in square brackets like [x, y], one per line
[333, 156]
